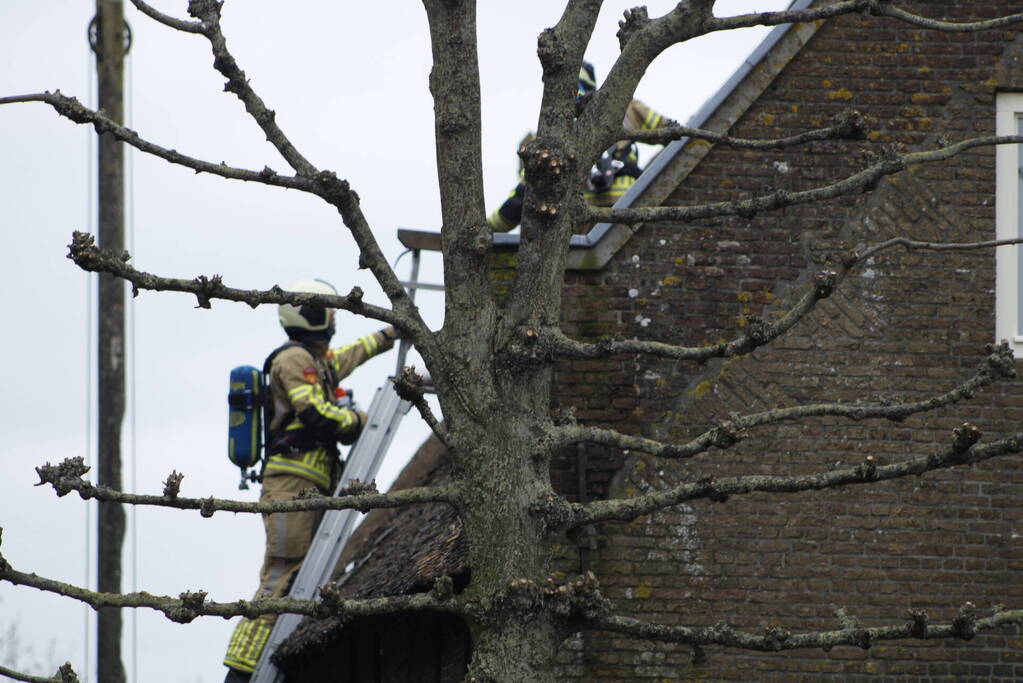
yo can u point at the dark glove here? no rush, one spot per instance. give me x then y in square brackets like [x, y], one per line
[348, 438]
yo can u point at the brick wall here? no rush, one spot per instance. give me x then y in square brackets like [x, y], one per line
[904, 326]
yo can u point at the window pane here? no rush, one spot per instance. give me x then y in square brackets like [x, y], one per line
[1019, 233]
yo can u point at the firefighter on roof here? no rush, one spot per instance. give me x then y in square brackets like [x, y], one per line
[612, 175]
[305, 425]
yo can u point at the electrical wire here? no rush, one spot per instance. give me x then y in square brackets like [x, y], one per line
[129, 230]
[90, 321]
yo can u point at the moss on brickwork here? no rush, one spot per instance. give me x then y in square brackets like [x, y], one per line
[903, 327]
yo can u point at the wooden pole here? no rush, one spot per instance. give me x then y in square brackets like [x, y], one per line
[109, 43]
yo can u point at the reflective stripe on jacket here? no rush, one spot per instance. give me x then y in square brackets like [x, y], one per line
[638, 116]
[303, 387]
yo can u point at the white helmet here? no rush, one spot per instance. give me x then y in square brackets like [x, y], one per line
[308, 318]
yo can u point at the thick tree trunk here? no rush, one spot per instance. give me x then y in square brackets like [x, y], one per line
[506, 478]
[494, 394]
[518, 650]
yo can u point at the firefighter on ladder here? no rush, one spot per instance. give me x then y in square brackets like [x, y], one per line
[305, 425]
[610, 178]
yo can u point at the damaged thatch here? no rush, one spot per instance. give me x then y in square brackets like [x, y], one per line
[394, 551]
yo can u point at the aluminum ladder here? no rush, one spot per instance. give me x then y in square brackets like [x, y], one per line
[364, 459]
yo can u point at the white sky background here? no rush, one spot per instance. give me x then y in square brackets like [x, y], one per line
[349, 84]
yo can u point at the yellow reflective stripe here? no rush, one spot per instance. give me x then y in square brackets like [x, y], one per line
[651, 120]
[370, 344]
[343, 416]
[497, 222]
[300, 391]
[247, 643]
[316, 472]
[618, 189]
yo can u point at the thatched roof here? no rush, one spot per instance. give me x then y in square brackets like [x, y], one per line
[394, 551]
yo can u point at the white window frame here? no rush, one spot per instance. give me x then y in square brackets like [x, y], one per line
[1009, 223]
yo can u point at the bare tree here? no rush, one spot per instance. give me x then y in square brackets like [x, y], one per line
[492, 361]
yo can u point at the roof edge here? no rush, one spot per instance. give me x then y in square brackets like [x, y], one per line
[593, 250]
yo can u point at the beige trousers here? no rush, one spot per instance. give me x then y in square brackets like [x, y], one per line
[288, 537]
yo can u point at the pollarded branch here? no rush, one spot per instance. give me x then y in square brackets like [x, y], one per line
[208, 12]
[884, 8]
[71, 108]
[962, 451]
[774, 639]
[999, 364]
[643, 39]
[875, 7]
[849, 125]
[757, 332]
[191, 604]
[409, 385]
[166, 19]
[67, 476]
[866, 180]
[324, 184]
[65, 674]
[86, 255]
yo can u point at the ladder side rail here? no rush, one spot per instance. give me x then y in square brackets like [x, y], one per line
[385, 436]
[312, 567]
[411, 286]
[368, 464]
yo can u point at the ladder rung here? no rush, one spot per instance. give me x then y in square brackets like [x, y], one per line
[422, 285]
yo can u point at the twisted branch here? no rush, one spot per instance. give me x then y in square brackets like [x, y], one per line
[87, 256]
[208, 12]
[409, 386]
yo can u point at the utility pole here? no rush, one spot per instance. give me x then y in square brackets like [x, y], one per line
[109, 39]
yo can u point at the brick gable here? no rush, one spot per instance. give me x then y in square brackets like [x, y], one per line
[906, 326]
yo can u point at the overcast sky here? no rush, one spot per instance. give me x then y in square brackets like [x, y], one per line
[349, 84]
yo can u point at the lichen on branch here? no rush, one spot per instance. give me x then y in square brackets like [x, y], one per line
[869, 471]
[774, 639]
[67, 476]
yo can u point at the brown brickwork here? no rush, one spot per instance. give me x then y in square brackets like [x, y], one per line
[904, 326]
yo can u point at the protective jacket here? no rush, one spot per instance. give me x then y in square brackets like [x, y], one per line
[306, 424]
[638, 116]
[304, 430]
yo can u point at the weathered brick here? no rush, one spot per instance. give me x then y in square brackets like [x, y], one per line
[906, 326]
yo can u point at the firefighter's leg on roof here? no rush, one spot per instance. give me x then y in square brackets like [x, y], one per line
[617, 190]
[288, 537]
